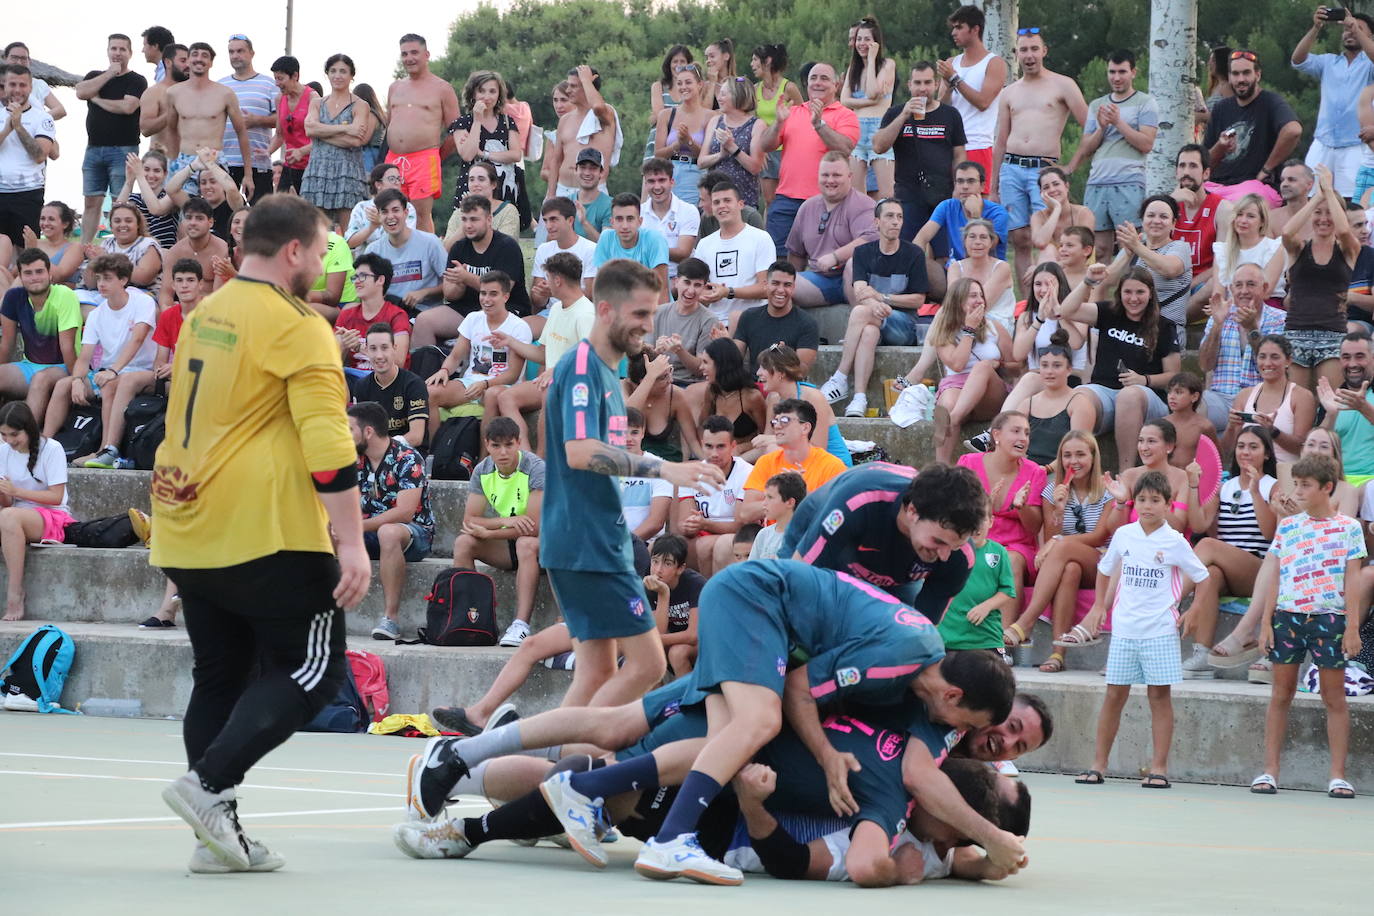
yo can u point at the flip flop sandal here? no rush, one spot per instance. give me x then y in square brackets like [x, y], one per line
[1014, 636]
[1156, 781]
[1265, 784]
[1339, 788]
[1236, 657]
[1077, 638]
[1090, 778]
[1054, 664]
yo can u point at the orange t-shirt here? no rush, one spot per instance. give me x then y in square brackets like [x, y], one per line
[816, 469]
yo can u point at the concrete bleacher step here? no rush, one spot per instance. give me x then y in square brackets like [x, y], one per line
[1094, 658]
[74, 584]
[154, 666]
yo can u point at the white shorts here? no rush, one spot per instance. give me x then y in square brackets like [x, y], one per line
[1343, 161]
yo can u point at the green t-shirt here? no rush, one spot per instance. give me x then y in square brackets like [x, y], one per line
[41, 330]
[991, 574]
[509, 496]
[338, 258]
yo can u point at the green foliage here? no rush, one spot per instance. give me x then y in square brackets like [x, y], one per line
[534, 44]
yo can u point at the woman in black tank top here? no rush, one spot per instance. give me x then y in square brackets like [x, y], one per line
[728, 391]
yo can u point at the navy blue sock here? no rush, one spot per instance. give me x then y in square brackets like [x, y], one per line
[631, 776]
[697, 792]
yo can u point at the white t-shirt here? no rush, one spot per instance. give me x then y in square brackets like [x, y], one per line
[1260, 255]
[18, 172]
[767, 543]
[38, 97]
[585, 249]
[837, 844]
[50, 469]
[484, 362]
[720, 505]
[736, 262]
[637, 495]
[357, 222]
[110, 328]
[681, 219]
[565, 326]
[1152, 571]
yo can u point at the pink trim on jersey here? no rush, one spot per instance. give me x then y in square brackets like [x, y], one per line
[867, 589]
[580, 425]
[968, 554]
[582, 349]
[892, 672]
[873, 496]
[815, 551]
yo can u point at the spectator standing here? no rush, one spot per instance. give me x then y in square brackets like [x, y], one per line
[1296, 181]
[976, 77]
[417, 258]
[372, 280]
[155, 41]
[1336, 139]
[33, 496]
[153, 111]
[487, 133]
[17, 54]
[112, 98]
[827, 230]
[769, 63]
[779, 321]
[680, 132]
[292, 108]
[420, 104]
[26, 140]
[501, 519]
[805, 133]
[400, 392]
[201, 112]
[927, 141]
[1251, 132]
[1030, 125]
[257, 95]
[46, 316]
[735, 139]
[589, 125]
[974, 618]
[398, 524]
[738, 256]
[868, 85]
[678, 221]
[339, 125]
[707, 520]
[1121, 130]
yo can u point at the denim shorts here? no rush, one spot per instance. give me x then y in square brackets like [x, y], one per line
[102, 169]
[1313, 347]
[1364, 180]
[1297, 634]
[1114, 204]
[415, 551]
[1018, 187]
[1106, 422]
[831, 287]
[864, 148]
[901, 329]
[772, 165]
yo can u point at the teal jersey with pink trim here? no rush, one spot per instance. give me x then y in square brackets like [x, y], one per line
[583, 523]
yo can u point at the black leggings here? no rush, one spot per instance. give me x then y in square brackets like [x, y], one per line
[275, 615]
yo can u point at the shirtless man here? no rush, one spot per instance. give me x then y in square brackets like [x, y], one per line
[1030, 124]
[1295, 185]
[196, 110]
[153, 113]
[584, 92]
[420, 106]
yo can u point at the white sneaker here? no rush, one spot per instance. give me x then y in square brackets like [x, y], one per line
[835, 388]
[260, 858]
[858, 405]
[1006, 768]
[20, 702]
[578, 814]
[1197, 666]
[443, 840]
[515, 634]
[213, 816]
[683, 857]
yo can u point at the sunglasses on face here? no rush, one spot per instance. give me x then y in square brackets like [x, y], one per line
[780, 422]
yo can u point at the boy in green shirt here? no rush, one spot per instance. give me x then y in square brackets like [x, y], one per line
[974, 617]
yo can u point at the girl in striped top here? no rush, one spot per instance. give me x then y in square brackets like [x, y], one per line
[1240, 537]
[1078, 522]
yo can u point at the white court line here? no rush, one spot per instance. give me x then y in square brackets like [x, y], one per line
[182, 763]
[164, 780]
[242, 816]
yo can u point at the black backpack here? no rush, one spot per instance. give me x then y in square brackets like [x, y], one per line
[462, 610]
[112, 531]
[145, 425]
[425, 361]
[81, 434]
[455, 448]
[345, 713]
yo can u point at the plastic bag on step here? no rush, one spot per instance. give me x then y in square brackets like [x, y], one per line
[914, 404]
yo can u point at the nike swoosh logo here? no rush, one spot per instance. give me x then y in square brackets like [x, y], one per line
[868, 550]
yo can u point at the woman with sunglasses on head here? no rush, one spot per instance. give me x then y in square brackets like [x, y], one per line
[782, 377]
[339, 126]
[681, 133]
[1286, 411]
[365, 222]
[729, 392]
[1236, 544]
[1242, 645]
[1079, 521]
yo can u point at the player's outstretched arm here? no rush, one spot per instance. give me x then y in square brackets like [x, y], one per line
[600, 458]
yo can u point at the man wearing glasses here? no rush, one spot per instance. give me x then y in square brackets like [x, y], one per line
[371, 279]
[1030, 125]
[1252, 132]
[793, 420]
[257, 94]
[828, 227]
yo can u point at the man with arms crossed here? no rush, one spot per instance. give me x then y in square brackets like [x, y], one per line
[247, 486]
[420, 105]
[1029, 127]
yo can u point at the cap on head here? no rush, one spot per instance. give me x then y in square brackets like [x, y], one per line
[590, 155]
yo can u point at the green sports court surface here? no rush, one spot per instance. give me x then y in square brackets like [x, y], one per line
[82, 829]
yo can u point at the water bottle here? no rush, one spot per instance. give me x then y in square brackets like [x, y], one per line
[119, 709]
[124, 464]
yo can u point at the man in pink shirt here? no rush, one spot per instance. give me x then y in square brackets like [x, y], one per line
[806, 133]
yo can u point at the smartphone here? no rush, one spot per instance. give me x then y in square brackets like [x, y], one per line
[1334, 14]
[1229, 133]
[1245, 416]
[1121, 368]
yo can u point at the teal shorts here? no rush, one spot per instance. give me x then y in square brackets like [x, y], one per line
[30, 369]
[675, 712]
[601, 605]
[740, 637]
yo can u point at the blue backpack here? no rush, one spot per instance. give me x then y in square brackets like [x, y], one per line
[345, 713]
[38, 668]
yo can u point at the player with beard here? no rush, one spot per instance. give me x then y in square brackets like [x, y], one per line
[153, 110]
[592, 572]
[257, 467]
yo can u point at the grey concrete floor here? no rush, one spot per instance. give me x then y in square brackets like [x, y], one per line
[82, 829]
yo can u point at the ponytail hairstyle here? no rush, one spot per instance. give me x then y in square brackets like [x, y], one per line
[773, 57]
[17, 415]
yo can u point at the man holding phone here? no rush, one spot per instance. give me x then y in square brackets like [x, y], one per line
[1251, 132]
[1232, 337]
[1336, 140]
